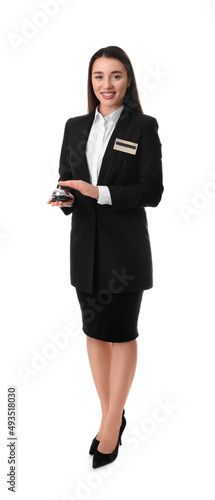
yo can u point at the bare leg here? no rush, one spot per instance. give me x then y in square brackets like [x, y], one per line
[99, 354]
[122, 371]
[113, 367]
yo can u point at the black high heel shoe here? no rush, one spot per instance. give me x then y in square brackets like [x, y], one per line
[94, 446]
[95, 442]
[100, 459]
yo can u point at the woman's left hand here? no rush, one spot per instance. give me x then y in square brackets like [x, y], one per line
[84, 187]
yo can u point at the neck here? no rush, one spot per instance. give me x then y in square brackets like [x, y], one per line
[107, 110]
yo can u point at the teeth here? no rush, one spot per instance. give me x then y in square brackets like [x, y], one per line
[108, 94]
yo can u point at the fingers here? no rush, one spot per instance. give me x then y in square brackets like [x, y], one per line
[54, 203]
[65, 183]
[65, 203]
[61, 203]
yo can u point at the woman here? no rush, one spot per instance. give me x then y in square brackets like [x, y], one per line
[111, 165]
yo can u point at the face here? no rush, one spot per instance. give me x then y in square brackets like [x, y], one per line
[110, 82]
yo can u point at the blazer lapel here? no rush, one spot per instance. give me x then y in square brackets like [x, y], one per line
[110, 153]
[83, 170]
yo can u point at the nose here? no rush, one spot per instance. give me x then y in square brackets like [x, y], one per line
[107, 84]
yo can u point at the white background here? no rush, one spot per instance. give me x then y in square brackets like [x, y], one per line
[171, 46]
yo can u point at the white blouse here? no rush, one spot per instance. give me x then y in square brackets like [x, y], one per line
[99, 136]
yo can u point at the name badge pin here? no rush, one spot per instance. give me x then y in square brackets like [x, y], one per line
[125, 146]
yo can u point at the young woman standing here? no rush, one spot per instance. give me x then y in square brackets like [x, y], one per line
[111, 165]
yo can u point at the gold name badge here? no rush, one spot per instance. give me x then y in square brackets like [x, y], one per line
[125, 146]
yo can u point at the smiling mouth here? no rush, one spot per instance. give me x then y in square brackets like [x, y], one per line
[108, 95]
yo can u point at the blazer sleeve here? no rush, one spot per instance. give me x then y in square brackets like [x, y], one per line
[149, 190]
[65, 173]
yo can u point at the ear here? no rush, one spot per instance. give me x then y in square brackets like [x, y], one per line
[129, 81]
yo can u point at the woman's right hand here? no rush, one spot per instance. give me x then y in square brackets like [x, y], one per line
[60, 203]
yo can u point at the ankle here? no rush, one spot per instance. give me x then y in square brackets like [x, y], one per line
[102, 425]
[104, 415]
[114, 419]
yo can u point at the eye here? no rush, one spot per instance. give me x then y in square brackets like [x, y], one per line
[98, 77]
[116, 76]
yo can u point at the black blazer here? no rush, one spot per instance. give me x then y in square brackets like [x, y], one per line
[110, 246]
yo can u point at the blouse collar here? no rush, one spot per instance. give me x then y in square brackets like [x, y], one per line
[111, 117]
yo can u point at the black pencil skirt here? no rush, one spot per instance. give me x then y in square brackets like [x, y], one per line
[110, 317]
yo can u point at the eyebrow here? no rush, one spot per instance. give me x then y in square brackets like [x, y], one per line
[101, 72]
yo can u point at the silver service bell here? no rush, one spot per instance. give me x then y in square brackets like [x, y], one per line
[59, 194]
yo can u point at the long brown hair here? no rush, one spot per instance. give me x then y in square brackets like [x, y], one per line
[131, 98]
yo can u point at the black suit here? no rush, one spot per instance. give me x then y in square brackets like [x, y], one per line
[110, 242]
